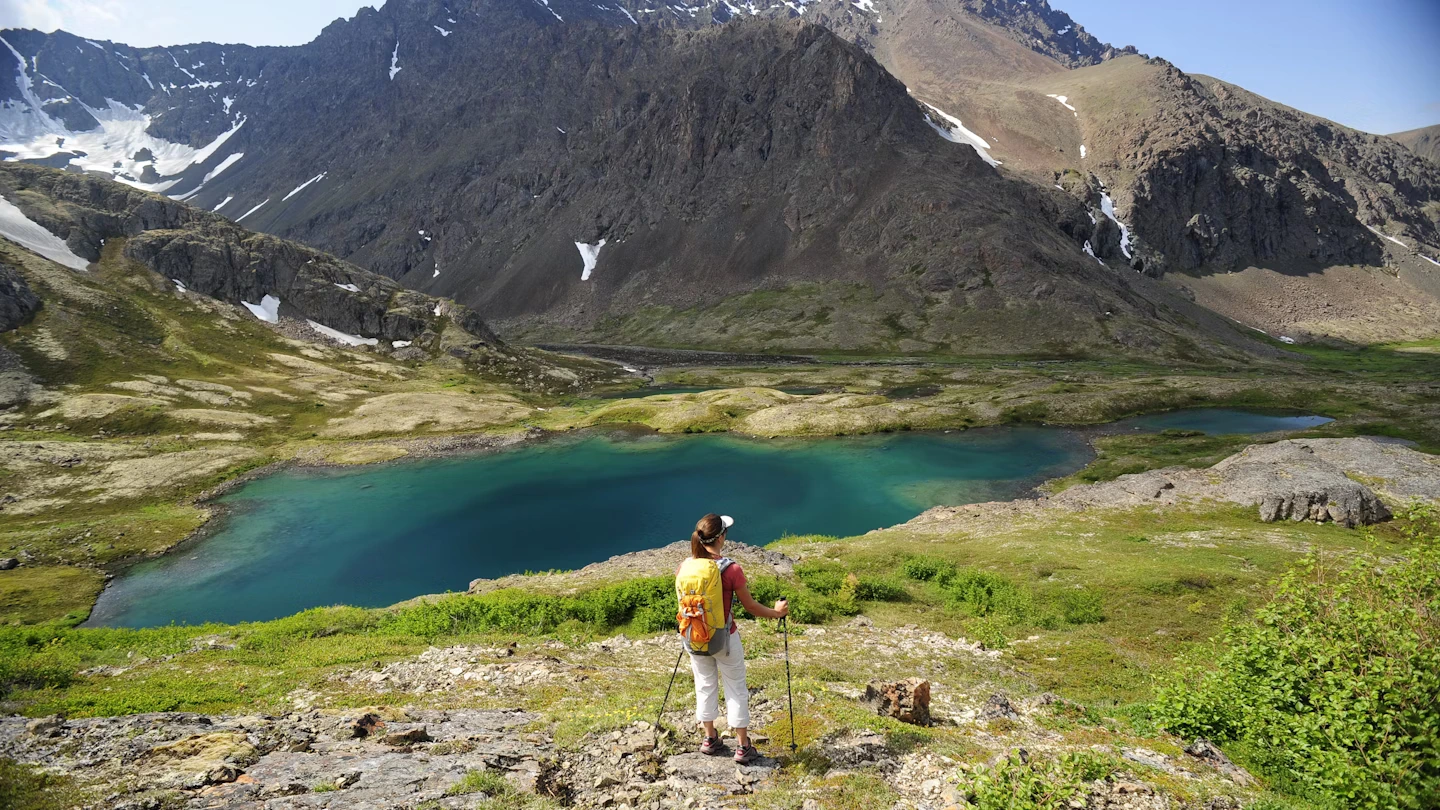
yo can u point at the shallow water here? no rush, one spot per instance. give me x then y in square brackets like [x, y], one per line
[1219, 421]
[378, 535]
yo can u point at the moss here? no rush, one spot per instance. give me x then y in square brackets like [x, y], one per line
[32, 594]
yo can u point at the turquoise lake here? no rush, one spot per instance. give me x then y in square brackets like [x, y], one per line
[377, 535]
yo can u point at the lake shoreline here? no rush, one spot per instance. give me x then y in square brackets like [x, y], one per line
[419, 449]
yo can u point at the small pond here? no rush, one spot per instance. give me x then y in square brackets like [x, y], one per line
[1218, 422]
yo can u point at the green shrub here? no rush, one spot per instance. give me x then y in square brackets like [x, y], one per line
[1333, 684]
[1015, 784]
[1082, 606]
[825, 578]
[652, 600]
[929, 569]
[985, 594]
[881, 590]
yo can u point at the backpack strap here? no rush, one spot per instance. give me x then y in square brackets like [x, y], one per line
[724, 562]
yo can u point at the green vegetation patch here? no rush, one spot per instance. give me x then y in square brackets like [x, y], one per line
[1126, 454]
[1332, 686]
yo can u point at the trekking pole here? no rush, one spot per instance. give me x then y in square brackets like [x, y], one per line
[789, 697]
[656, 746]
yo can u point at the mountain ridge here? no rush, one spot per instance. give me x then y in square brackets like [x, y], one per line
[448, 213]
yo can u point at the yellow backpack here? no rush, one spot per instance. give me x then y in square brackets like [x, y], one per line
[702, 605]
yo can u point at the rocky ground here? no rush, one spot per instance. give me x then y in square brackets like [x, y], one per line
[399, 753]
[1339, 480]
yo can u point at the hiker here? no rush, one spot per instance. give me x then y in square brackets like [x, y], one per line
[713, 640]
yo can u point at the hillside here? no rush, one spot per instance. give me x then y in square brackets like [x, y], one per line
[1424, 141]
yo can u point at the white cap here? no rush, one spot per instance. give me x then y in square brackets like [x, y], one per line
[727, 520]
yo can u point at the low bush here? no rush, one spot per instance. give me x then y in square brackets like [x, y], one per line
[924, 568]
[825, 578]
[1082, 606]
[1020, 784]
[982, 593]
[1333, 684]
[651, 599]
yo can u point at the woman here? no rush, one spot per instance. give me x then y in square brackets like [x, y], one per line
[729, 664]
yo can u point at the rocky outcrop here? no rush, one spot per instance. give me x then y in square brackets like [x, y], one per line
[18, 303]
[1286, 480]
[1324, 480]
[207, 254]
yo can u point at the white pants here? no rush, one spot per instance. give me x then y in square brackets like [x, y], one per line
[709, 671]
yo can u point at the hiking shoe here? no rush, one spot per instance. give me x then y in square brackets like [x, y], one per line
[746, 755]
[712, 747]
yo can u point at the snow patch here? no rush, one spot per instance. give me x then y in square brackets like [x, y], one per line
[589, 255]
[253, 210]
[395, 61]
[1384, 235]
[436, 275]
[400, 344]
[1090, 251]
[1082, 151]
[211, 175]
[302, 186]
[546, 4]
[1107, 207]
[179, 287]
[1428, 259]
[350, 287]
[959, 134]
[29, 234]
[268, 310]
[443, 32]
[223, 203]
[1284, 339]
[31, 134]
[1064, 100]
[336, 334]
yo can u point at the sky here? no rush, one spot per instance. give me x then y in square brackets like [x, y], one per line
[148, 23]
[1369, 64]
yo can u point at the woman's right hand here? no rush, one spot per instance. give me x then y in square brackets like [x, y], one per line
[782, 609]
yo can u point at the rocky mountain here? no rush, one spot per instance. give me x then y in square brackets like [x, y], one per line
[1424, 141]
[893, 175]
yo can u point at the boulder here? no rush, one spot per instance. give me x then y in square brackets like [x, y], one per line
[9, 563]
[408, 736]
[998, 707]
[1206, 751]
[18, 303]
[907, 701]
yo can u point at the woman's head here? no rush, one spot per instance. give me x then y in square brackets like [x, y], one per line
[709, 535]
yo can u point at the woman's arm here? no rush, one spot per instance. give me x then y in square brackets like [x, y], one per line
[756, 609]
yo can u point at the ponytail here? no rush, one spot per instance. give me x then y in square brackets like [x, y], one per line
[707, 530]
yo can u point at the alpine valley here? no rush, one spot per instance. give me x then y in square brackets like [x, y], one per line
[1084, 410]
